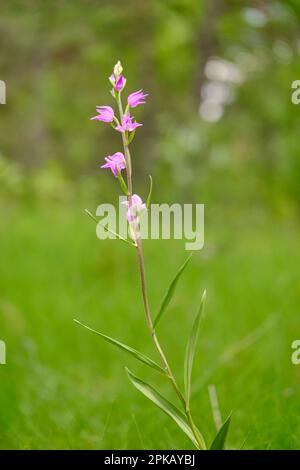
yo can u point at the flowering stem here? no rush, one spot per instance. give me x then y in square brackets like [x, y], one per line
[138, 244]
[126, 152]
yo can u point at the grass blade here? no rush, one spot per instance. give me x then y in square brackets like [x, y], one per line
[170, 292]
[165, 405]
[190, 351]
[220, 439]
[138, 355]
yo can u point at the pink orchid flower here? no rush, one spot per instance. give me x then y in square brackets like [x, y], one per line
[120, 83]
[136, 98]
[127, 124]
[116, 163]
[117, 82]
[137, 207]
[106, 114]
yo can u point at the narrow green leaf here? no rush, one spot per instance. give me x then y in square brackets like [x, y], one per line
[165, 405]
[150, 192]
[190, 351]
[170, 292]
[107, 229]
[122, 183]
[138, 355]
[131, 137]
[220, 439]
[91, 215]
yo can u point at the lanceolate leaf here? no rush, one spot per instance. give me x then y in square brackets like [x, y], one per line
[107, 229]
[131, 136]
[165, 405]
[220, 439]
[190, 351]
[122, 183]
[170, 292]
[138, 355]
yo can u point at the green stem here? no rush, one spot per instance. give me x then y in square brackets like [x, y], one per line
[126, 151]
[144, 289]
[197, 435]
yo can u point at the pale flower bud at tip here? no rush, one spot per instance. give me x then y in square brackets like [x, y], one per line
[118, 69]
[112, 79]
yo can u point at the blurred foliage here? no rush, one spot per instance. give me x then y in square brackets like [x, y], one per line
[229, 122]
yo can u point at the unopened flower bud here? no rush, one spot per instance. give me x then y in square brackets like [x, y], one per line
[118, 69]
[112, 79]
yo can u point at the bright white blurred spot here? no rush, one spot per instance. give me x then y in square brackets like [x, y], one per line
[255, 17]
[218, 92]
[223, 70]
[211, 111]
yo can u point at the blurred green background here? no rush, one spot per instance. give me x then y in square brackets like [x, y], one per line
[220, 129]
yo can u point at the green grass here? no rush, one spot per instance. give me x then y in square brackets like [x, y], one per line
[63, 387]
